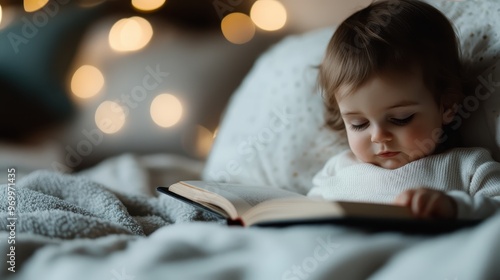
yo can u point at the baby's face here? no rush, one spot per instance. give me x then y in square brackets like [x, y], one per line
[391, 120]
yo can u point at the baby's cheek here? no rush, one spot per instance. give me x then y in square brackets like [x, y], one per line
[417, 133]
[422, 138]
[358, 145]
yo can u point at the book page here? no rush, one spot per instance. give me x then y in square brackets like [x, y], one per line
[243, 197]
[306, 208]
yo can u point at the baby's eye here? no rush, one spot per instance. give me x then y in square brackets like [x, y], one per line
[402, 121]
[358, 127]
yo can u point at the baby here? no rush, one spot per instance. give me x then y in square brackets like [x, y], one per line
[391, 78]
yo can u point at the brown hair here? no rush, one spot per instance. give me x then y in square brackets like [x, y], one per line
[392, 35]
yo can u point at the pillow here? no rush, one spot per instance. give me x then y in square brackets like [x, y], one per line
[273, 131]
[477, 24]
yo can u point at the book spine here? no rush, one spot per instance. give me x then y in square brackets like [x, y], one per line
[235, 222]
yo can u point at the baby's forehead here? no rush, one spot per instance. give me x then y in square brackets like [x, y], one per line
[399, 82]
[396, 74]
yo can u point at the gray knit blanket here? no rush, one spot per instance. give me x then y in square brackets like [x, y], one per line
[69, 206]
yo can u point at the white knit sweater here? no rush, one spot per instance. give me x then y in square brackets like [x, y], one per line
[469, 175]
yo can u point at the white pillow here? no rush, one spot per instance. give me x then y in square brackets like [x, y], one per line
[478, 26]
[273, 131]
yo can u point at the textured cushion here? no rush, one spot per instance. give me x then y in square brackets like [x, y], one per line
[478, 26]
[273, 131]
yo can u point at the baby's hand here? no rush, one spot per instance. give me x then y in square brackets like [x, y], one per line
[427, 203]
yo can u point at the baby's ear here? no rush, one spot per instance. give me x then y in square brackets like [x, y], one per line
[449, 114]
[449, 105]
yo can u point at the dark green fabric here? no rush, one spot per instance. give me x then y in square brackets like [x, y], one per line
[35, 53]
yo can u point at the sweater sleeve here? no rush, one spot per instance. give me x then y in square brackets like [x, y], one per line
[483, 197]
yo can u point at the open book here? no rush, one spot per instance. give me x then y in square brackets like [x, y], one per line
[256, 205]
[245, 205]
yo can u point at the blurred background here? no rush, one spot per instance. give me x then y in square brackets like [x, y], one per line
[85, 80]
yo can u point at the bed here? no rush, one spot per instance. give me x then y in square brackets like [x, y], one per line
[108, 222]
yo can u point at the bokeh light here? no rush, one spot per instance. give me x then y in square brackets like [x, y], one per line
[87, 81]
[34, 5]
[238, 28]
[8, 14]
[269, 15]
[204, 141]
[110, 117]
[198, 141]
[166, 110]
[130, 34]
[147, 5]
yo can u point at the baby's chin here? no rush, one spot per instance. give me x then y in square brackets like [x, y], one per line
[391, 163]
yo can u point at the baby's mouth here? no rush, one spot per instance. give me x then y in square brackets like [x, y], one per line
[387, 154]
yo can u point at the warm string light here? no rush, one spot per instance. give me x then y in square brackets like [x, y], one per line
[147, 5]
[198, 141]
[204, 141]
[87, 81]
[34, 5]
[8, 14]
[110, 117]
[238, 28]
[268, 15]
[166, 110]
[130, 34]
